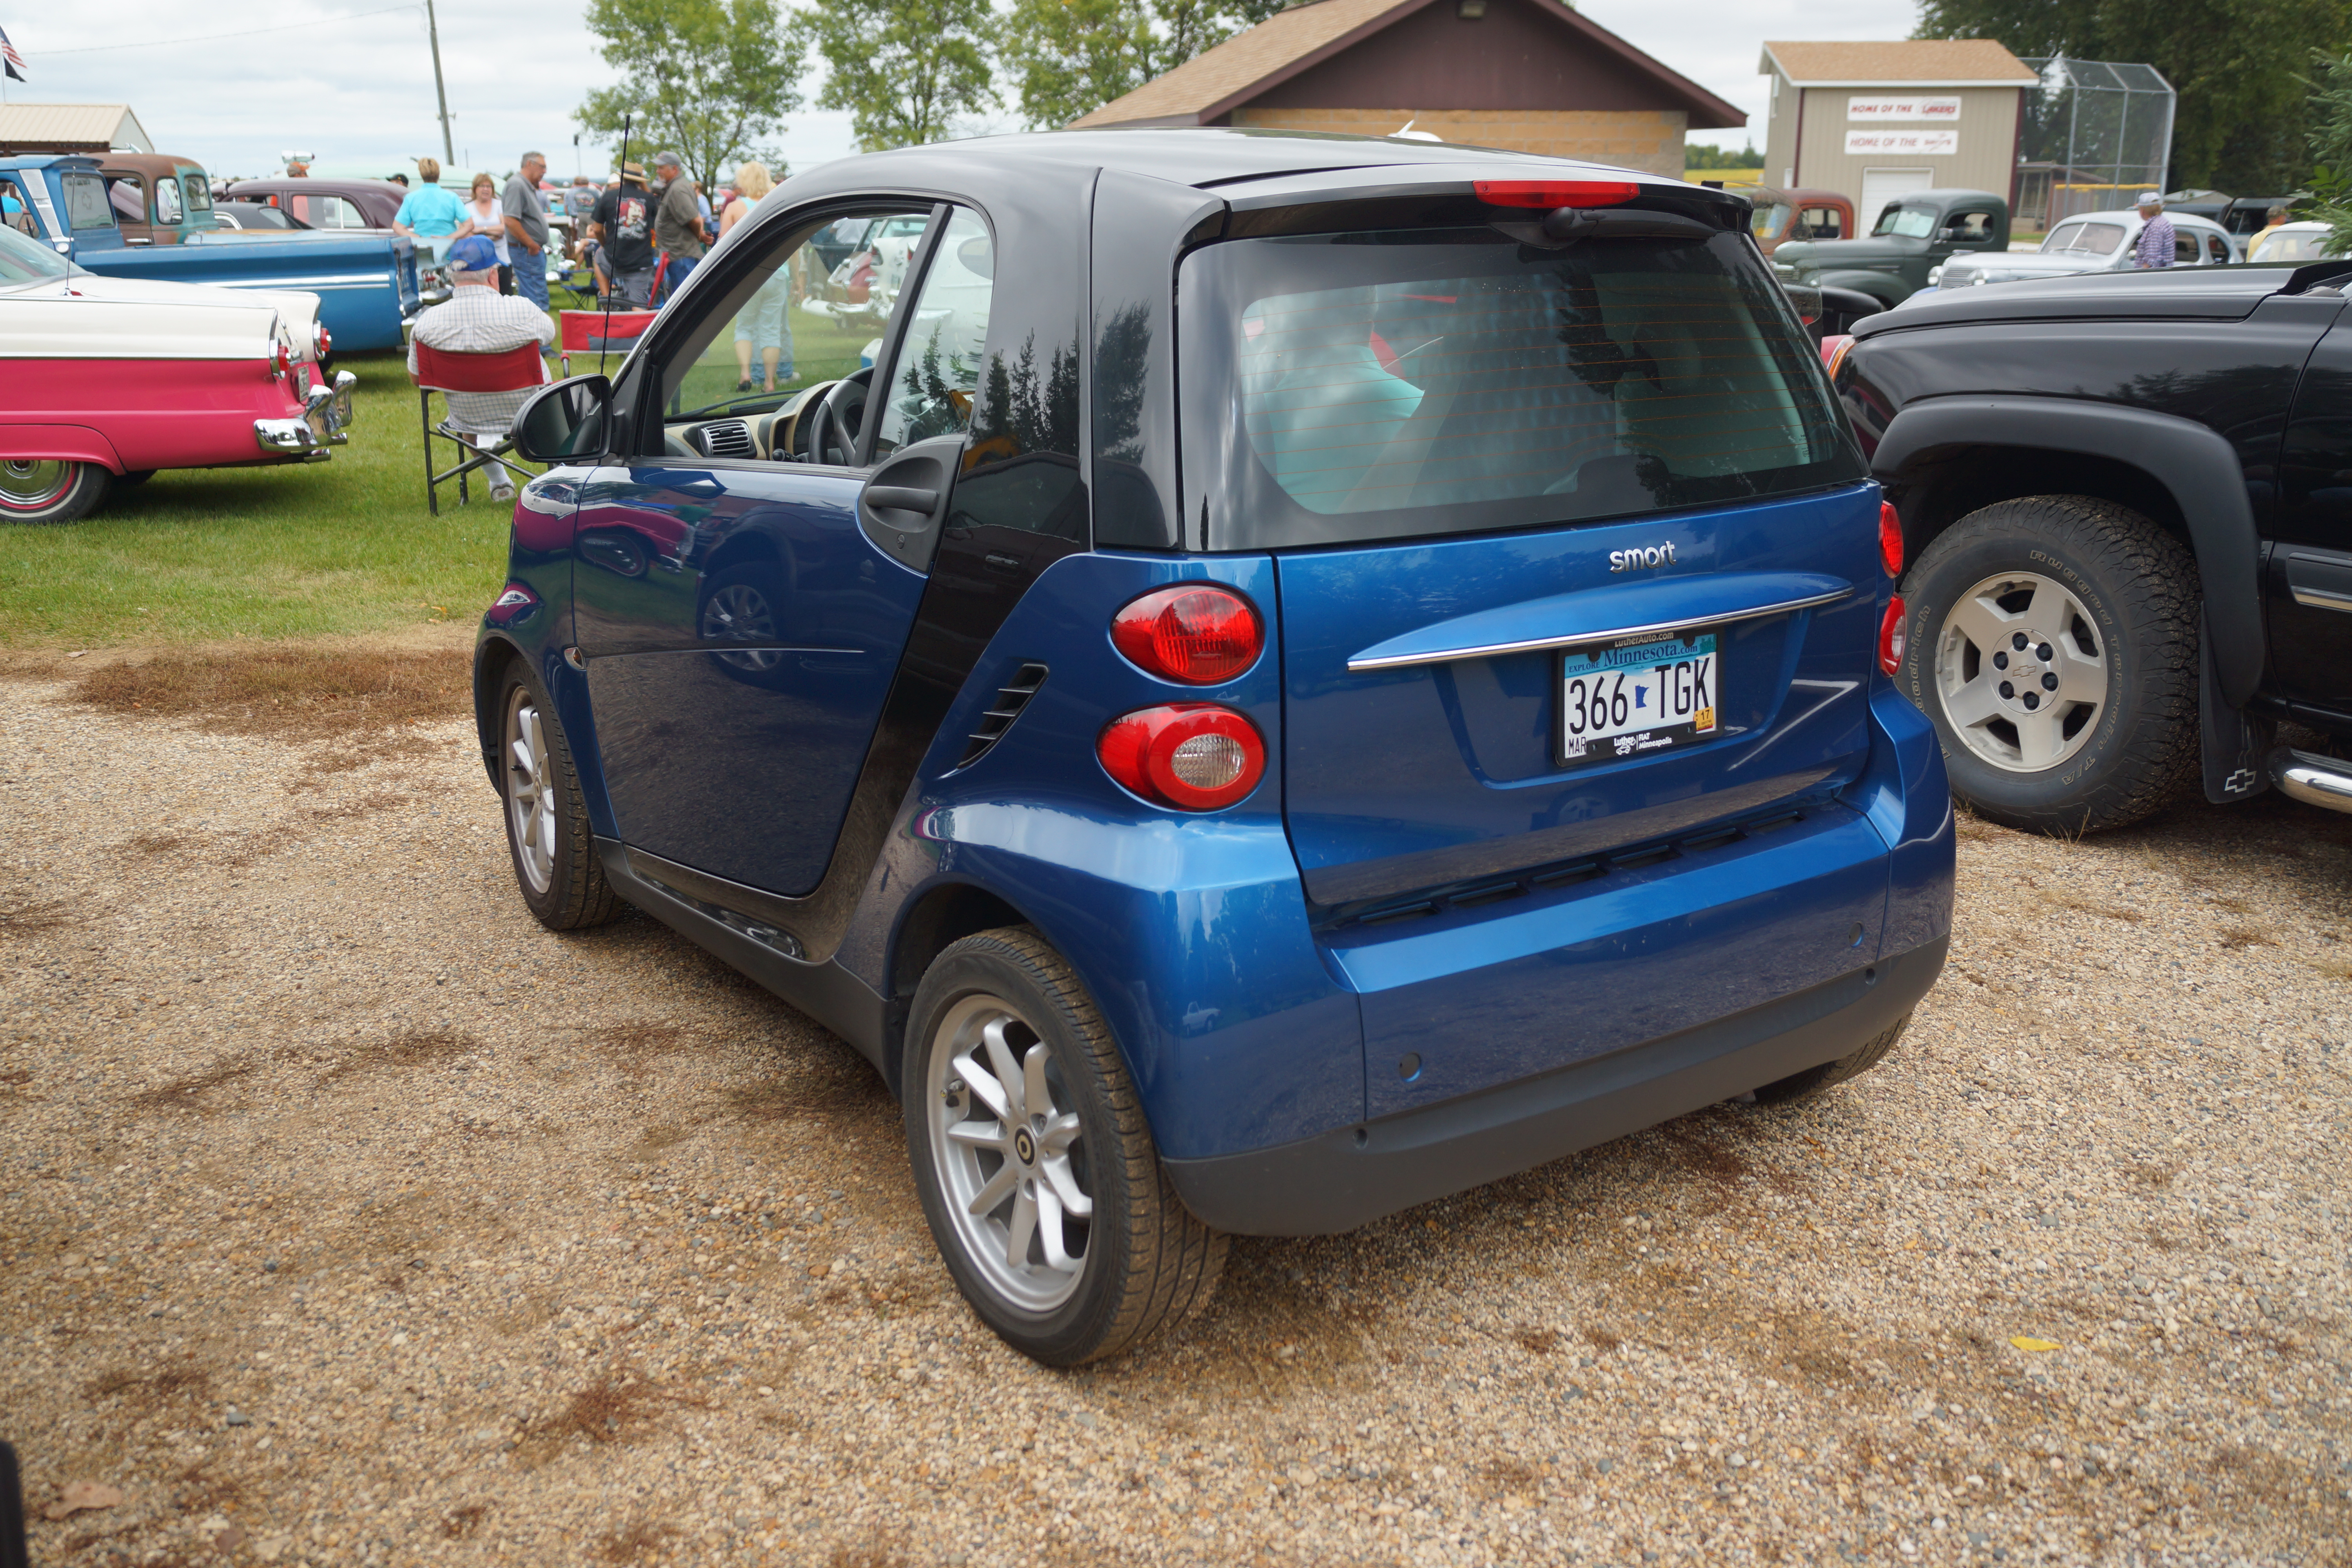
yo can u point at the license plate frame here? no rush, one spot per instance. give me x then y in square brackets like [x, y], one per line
[1683, 671]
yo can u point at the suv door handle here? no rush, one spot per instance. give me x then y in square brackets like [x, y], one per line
[904, 503]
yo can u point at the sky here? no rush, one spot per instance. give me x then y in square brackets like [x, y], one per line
[350, 81]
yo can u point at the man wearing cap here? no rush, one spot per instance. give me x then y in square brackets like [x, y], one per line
[2154, 246]
[623, 230]
[678, 221]
[477, 319]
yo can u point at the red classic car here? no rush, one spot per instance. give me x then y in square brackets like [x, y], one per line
[105, 380]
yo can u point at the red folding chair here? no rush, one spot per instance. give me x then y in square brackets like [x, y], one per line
[439, 370]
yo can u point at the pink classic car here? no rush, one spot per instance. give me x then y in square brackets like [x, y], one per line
[105, 380]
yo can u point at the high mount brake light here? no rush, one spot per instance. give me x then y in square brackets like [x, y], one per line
[1890, 539]
[1548, 195]
[1891, 636]
[1195, 756]
[1194, 632]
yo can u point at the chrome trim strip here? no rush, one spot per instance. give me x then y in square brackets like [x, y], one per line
[1447, 656]
[2320, 598]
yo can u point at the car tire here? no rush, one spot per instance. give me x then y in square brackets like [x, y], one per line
[36, 492]
[999, 1020]
[1816, 1080]
[2094, 724]
[548, 837]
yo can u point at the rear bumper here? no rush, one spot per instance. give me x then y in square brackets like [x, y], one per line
[2311, 779]
[1354, 1175]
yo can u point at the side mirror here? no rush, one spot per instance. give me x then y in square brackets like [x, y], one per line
[565, 421]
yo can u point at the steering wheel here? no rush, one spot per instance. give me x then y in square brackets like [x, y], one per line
[833, 423]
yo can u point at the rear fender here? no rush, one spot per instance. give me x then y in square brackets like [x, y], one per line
[1883, 287]
[59, 444]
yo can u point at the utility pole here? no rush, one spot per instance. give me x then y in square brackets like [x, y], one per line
[433, 31]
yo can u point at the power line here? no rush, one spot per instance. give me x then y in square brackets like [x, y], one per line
[247, 33]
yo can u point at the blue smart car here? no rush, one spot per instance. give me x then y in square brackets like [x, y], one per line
[1305, 675]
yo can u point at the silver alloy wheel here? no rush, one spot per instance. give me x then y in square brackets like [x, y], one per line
[1008, 1157]
[531, 791]
[33, 486]
[2022, 672]
[741, 611]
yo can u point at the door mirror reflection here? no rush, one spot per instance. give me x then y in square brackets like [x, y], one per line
[565, 421]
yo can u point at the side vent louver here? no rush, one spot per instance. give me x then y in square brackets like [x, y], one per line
[729, 438]
[1010, 700]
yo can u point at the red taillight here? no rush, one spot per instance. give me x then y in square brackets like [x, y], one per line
[1890, 539]
[321, 345]
[1833, 352]
[1194, 632]
[1194, 756]
[282, 364]
[1890, 636]
[1549, 193]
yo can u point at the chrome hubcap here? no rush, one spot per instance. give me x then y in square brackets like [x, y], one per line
[531, 791]
[1010, 1159]
[29, 485]
[2022, 671]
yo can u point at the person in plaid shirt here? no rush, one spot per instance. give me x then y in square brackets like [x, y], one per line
[2155, 247]
[478, 320]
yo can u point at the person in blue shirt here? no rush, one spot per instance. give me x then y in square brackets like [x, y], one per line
[428, 211]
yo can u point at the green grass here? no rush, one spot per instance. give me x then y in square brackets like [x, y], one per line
[341, 548]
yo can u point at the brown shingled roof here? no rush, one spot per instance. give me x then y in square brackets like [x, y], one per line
[1222, 79]
[1943, 62]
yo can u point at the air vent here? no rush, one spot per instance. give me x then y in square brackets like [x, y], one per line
[1010, 700]
[728, 439]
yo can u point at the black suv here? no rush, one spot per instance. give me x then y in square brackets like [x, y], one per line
[2128, 503]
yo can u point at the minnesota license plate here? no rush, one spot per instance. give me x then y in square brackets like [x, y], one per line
[1641, 695]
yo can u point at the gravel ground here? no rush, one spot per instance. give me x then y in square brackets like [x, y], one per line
[348, 1217]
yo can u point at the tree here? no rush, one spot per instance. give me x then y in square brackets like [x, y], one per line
[905, 69]
[1069, 57]
[2237, 66]
[708, 80]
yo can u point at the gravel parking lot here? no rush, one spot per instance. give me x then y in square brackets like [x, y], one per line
[346, 1217]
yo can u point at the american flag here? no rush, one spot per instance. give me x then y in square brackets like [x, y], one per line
[10, 60]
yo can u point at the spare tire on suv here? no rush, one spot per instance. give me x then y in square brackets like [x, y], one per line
[2053, 642]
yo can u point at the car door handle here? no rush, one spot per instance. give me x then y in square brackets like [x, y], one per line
[902, 498]
[902, 508]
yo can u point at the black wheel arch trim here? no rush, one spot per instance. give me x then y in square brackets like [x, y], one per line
[2194, 463]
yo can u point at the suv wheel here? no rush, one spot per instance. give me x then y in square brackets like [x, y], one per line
[1037, 1171]
[1805, 1085]
[555, 862]
[40, 491]
[2053, 644]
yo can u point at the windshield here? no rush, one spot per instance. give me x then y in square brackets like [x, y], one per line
[1911, 223]
[24, 260]
[2280, 245]
[2084, 239]
[1353, 386]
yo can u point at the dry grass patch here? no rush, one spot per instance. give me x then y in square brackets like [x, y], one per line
[2063, 898]
[613, 1409]
[187, 1093]
[295, 693]
[414, 1049]
[642, 1538]
[1537, 1342]
[2237, 937]
[23, 920]
[148, 1387]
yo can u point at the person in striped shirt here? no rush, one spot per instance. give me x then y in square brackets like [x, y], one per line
[2155, 247]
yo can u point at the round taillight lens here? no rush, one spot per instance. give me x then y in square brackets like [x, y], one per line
[1195, 756]
[1890, 539]
[282, 364]
[1194, 632]
[1891, 636]
[322, 343]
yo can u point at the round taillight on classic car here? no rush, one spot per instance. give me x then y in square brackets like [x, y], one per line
[1890, 539]
[281, 363]
[1195, 756]
[1196, 633]
[321, 345]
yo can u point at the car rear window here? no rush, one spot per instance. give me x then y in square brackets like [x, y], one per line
[1350, 386]
[85, 204]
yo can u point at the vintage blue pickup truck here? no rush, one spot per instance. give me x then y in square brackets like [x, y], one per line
[366, 282]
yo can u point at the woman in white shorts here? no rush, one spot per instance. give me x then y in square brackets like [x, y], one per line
[764, 322]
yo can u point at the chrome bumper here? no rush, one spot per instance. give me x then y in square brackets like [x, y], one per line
[2314, 781]
[325, 422]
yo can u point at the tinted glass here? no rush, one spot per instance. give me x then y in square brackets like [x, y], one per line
[1911, 223]
[937, 372]
[2184, 248]
[86, 205]
[1366, 385]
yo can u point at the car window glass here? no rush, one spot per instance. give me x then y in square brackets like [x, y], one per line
[931, 386]
[1820, 223]
[2089, 239]
[348, 216]
[86, 203]
[167, 200]
[19, 211]
[2217, 249]
[130, 198]
[793, 319]
[1771, 222]
[200, 195]
[24, 260]
[2062, 238]
[1910, 223]
[1968, 229]
[2184, 248]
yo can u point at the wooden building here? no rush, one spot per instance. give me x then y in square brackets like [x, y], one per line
[1873, 121]
[1528, 75]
